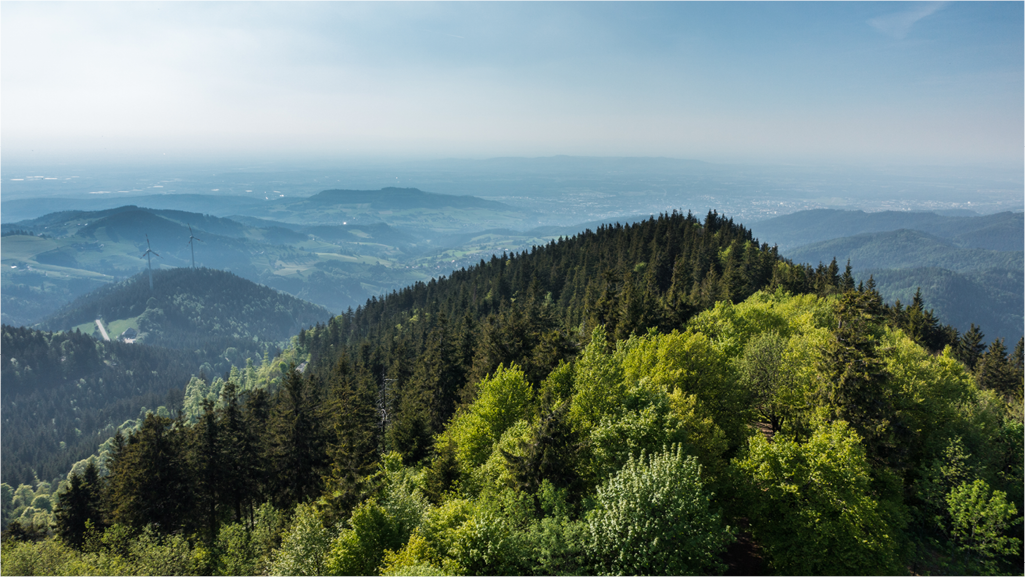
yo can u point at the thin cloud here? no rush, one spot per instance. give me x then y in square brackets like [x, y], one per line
[898, 24]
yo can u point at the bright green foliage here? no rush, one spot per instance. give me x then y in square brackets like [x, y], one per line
[380, 523]
[688, 364]
[237, 551]
[732, 325]
[495, 472]
[768, 377]
[503, 399]
[48, 557]
[615, 441]
[557, 546]
[813, 509]
[550, 455]
[927, 392]
[981, 520]
[598, 386]
[427, 550]
[268, 524]
[654, 517]
[413, 559]
[939, 477]
[484, 545]
[304, 546]
[359, 549]
[155, 554]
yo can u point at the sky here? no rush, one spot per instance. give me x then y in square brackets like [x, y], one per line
[776, 82]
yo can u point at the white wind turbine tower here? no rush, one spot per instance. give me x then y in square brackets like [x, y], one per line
[149, 261]
[193, 248]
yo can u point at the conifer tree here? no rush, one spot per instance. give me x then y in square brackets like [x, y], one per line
[207, 462]
[297, 443]
[996, 371]
[550, 454]
[150, 480]
[854, 386]
[847, 279]
[357, 434]
[78, 504]
[240, 456]
[970, 347]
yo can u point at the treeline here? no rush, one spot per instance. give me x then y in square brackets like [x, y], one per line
[187, 308]
[543, 413]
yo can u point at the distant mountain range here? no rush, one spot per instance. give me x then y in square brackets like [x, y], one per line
[971, 269]
[387, 205]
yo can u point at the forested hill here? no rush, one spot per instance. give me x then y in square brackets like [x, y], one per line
[187, 308]
[65, 393]
[631, 400]
[432, 341]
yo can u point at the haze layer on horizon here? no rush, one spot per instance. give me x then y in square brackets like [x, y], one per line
[849, 83]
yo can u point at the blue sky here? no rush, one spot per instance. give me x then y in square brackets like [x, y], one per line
[849, 83]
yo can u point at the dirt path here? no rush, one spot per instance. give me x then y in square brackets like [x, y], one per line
[103, 331]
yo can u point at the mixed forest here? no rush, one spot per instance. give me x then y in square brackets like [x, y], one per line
[664, 397]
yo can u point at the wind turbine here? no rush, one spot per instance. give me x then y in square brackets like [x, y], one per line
[149, 261]
[191, 238]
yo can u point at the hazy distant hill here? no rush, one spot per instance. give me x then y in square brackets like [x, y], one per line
[991, 299]
[221, 205]
[66, 254]
[1002, 231]
[406, 207]
[905, 249]
[190, 307]
[970, 269]
[399, 198]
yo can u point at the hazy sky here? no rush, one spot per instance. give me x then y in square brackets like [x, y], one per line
[765, 82]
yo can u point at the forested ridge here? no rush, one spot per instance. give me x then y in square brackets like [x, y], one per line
[188, 308]
[631, 400]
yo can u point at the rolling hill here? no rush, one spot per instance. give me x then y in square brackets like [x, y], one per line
[49, 261]
[189, 308]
